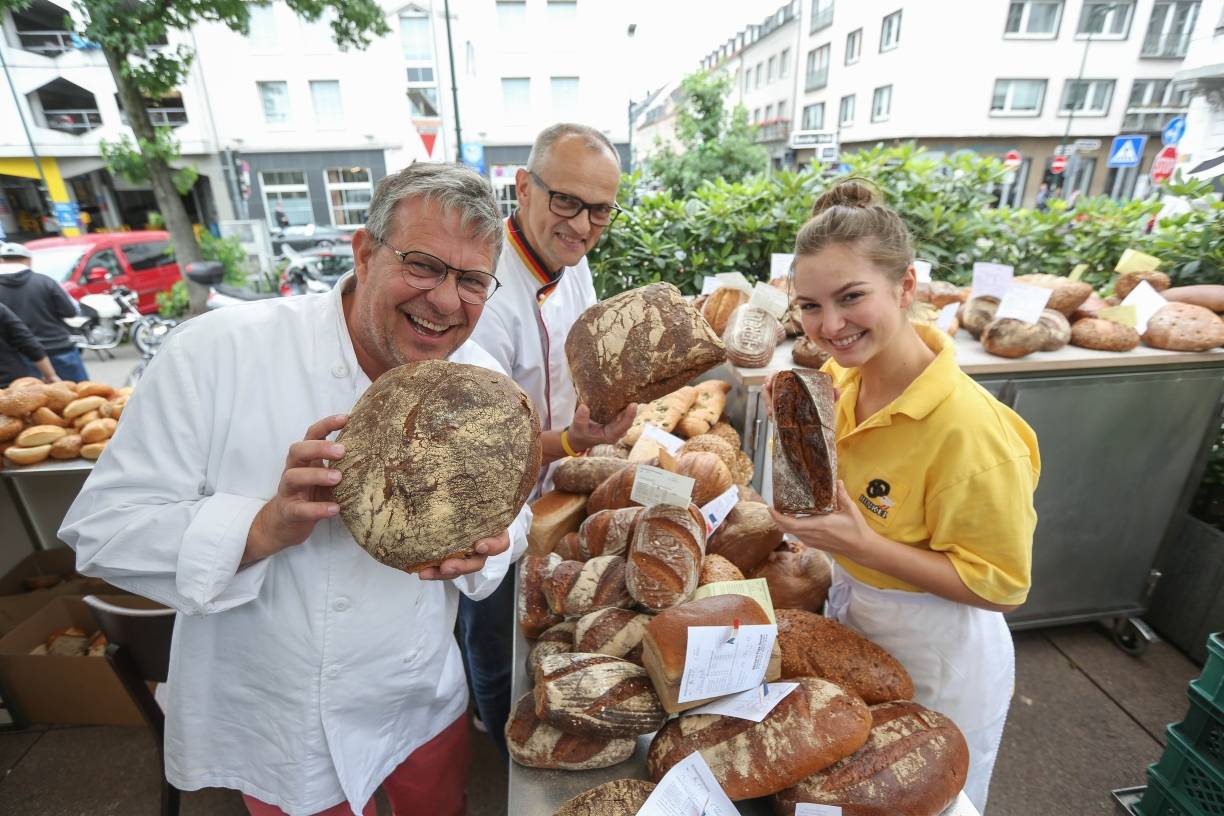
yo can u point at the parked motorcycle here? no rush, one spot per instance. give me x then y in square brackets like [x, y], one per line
[220, 295]
[315, 270]
[109, 318]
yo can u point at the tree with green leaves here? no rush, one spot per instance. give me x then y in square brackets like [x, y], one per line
[717, 143]
[133, 35]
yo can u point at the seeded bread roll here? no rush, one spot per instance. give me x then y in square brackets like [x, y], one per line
[620, 797]
[665, 556]
[805, 449]
[816, 646]
[715, 568]
[797, 580]
[1182, 327]
[17, 402]
[726, 431]
[746, 537]
[596, 695]
[534, 614]
[557, 639]
[1103, 335]
[582, 474]
[615, 632]
[538, 745]
[607, 532]
[577, 587]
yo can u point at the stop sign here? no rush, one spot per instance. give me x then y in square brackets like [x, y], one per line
[1164, 164]
[1012, 160]
[1058, 164]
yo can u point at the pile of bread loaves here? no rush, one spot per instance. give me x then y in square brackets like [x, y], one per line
[62, 420]
[72, 641]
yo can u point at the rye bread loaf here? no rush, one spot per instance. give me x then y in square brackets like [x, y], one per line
[569, 549]
[615, 632]
[620, 797]
[1184, 327]
[1058, 330]
[552, 516]
[751, 335]
[582, 474]
[914, 763]
[1103, 335]
[607, 532]
[806, 353]
[575, 588]
[534, 614]
[438, 456]
[797, 580]
[537, 744]
[596, 695]
[816, 646]
[747, 536]
[665, 557]
[614, 492]
[637, 346]
[721, 305]
[1008, 337]
[558, 639]
[715, 568]
[1066, 295]
[813, 727]
[805, 446]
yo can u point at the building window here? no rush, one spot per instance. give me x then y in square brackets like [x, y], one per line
[747, 79]
[817, 68]
[275, 99]
[287, 187]
[845, 112]
[813, 117]
[563, 12]
[1152, 103]
[854, 46]
[564, 97]
[422, 94]
[261, 26]
[756, 115]
[1086, 97]
[1033, 18]
[771, 72]
[759, 69]
[769, 114]
[348, 193]
[415, 37]
[1169, 30]
[1017, 97]
[784, 63]
[822, 15]
[516, 93]
[328, 109]
[881, 104]
[1105, 20]
[890, 32]
[782, 109]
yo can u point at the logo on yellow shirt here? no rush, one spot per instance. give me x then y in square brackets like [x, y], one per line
[877, 489]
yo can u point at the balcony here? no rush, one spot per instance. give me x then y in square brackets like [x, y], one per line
[73, 120]
[1152, 120]
[1172, 45]
[821, 18]
[816, 79]
[47, 43]
[165, 112]
[773, 130]
[65, 106]
[40, 29]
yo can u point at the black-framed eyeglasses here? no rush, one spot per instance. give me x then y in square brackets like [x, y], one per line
[424, 271]
[568, 206]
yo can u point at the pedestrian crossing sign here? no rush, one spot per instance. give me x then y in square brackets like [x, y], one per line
[1126, 151]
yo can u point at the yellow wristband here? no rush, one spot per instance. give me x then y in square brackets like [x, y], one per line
[565, 444]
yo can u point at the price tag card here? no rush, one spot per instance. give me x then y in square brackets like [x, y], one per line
[780, 264]
[923, 269]
[991, 279]
[1125, 315]
[708, 285]
[1147, 302]
[652, 485]
[1135, 261]
[1021, 302]
[753, 704]
[1077, 273]
[716, 511]
[688, 789]
[755, 588]
[808, 809]
[669, 442]
[725, 659]
[734, 280]
[771, 299]
[946, 315]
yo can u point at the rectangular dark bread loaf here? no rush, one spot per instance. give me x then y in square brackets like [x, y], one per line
[805, 444]
[607, 532]
[914, 764]
[813, 727]
[816, 646]
[537, 744]
[575, 588]
[615, 632]
[596, 695]
[637, 346]
[665, 557]
[582, 474]
[552, 516]
[534, 614]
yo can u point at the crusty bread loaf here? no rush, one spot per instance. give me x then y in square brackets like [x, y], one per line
[665, 556]
[797, 580]
[27, 456]
[607, 532]
[1058, 330]
[813, 727]
[552, 516]
[751, 335]
[707, 407]
[45, 416]
[534, 614]
[438, 456]
[976, 313]
[84, 405]
[720, 305]
[596, 695]
[914, 764]
[1127, 281]
[816, 646]
[636, 346]
[582, 474]
[1182, 327]
[1008, 337]
[711, 477]
[715, 568]
[620, 797]
[98, 430]
[747, 536]
[1066, 295]
[58, 395]
[66, 447]
[1103, 335]
[710, 443]
[938, 293]
[805, 447]
[614, 492]
[568, 548]
[727, 432]
[17, 402]
[807, 353]
[1208, 295]
[557, 639]
[539, 745]
[615, 632]
[575, 588]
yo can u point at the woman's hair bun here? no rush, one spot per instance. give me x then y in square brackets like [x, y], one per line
[848, 193]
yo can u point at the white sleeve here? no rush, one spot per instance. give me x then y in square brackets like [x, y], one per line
[478, 585]
[493, 335]
[147, 519]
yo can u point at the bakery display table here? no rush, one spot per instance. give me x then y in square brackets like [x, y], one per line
[1124, 438]
[40, 496]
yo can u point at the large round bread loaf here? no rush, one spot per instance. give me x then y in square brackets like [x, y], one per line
[1184, 327]
[1066, 295]
[620, 797]
[596, 695]
[797, 580]
[816, 646]
[537, 744]
[438, 456]
[1100, 334]
[746, 537]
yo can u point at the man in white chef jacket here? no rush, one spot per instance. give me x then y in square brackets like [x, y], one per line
[566, 199]
[303, 673]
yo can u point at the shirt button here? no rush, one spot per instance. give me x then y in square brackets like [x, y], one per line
[332, 673]
[339, 371]
[341, 604]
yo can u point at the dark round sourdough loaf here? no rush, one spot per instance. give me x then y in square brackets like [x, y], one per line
[816, 646]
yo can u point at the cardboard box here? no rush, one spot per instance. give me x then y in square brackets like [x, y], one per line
[17, 602]
[58, 689]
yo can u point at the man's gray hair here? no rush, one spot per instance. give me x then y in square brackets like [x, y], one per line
[594, 140]
[449, 187]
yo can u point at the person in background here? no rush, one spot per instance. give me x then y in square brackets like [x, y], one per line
[42, 304]
[19, 349]
[1043, 197]
[282, 218]
[566, 199]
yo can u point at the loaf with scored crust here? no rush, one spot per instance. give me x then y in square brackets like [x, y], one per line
[575, 588]
[537, 744]
[596, 695]
[665, 557]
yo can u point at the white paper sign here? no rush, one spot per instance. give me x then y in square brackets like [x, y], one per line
[1147, 302]
[670, 442]
[716, 511]
[946, 315]
[771, 299]
[688, 789]
[808, 809]
[708, 285]
[780, 264]
[652, 485]
[991, 279]
[734, 280]
[725, 659]
[1022, 302]
[923, 269]
[753, 704]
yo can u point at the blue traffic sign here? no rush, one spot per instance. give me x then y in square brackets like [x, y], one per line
[474, 156]
[1174, 131]
[1126, 151]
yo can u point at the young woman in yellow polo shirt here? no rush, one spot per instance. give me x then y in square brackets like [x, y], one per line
[933, 533]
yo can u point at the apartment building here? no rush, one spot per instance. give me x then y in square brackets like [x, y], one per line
[763, 72]
[1202, 76]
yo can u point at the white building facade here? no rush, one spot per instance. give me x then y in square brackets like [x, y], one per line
[1202, 76]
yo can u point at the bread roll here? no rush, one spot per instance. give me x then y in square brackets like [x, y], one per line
[26, 382]
[66, 447]
[1127, 281]
[715, 568]
[45, 416]
[1208, 295]
[84, 419]
[805, 448]
[797, 580]
[707, 407]
[98, 430]
[582, 474]
[743, 471]
[10, 427]
[88, 388]
[17, 402]
[620, 797]
[1008, 337]
[1184, 327]
[720, 305]
[813, 727]
[976, 313]
[1057, 328]
[58, 396]
[664, 413]
[614, 492]
[807, 353]
[596, 695]
[575, 588]
[727, 432]
[607, 532]
[1066, 295]
[37, 435]
[438, 456]
[81, 406]
[637, 346]
[709, 443]
[816, 646]
[535, 744]
[746, 537]
[93, 450]
[665, 556]
[27, 455]
[710, 476]
[1103, 335]
[608, 451]
[534, 614]
[751, 335]
[552, 516]
[556, 639]
[615, 632]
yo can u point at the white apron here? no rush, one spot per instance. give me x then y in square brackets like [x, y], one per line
[960, 657]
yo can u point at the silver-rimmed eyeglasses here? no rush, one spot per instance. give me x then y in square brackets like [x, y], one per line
[424, 271]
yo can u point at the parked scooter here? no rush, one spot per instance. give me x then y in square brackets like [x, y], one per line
[107, 319]
[220, 295]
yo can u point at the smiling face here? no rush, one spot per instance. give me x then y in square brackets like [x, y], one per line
[391, 322]
[570, 166]
[849, 306]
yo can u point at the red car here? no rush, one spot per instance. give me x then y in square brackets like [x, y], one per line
[141, 261]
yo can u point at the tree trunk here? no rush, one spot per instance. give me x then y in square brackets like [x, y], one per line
[178, 224]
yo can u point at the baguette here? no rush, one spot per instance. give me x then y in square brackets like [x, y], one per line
[707, 407]
[664, 413]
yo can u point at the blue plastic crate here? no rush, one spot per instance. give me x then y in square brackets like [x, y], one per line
[1188, 777]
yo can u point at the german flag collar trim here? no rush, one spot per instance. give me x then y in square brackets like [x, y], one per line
[530, 259]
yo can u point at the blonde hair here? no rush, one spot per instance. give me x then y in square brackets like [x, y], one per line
[850, 212]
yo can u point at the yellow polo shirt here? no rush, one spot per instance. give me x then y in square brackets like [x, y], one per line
[946, 467]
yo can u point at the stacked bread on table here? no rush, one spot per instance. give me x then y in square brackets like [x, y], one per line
[63, 420]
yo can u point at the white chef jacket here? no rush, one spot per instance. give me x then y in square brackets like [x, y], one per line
[305, 678]
[524, 326]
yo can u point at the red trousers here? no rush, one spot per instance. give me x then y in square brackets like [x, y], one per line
[430, 782]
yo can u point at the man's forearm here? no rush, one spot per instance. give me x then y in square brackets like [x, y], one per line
[46, 369]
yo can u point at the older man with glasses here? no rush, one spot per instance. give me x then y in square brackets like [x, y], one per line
[304, 673]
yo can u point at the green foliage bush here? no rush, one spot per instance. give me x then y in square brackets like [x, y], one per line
[228, 252]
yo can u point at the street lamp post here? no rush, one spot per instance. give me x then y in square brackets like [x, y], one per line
[1072, 162]
[46, 190]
